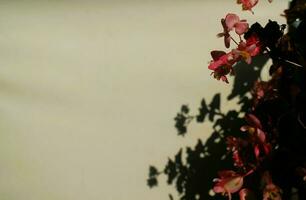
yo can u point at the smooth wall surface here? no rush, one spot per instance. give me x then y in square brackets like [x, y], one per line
[89, 89]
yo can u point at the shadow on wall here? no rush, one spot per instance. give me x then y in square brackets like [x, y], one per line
[193, 177]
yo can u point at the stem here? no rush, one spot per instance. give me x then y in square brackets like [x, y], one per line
[290, 62]
[234, 40]
[285, 60]
[300, 121]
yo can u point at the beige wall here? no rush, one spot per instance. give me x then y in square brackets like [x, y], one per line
[88, 91]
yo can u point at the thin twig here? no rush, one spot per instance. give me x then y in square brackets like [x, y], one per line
[234, 40]
[290, 62]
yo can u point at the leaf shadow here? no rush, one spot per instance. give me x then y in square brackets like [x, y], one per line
[193, 176]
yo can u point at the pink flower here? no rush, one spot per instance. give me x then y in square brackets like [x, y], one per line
[221, 65]
[248, 49]
[228, 183]
[247, 4]
[231, 22]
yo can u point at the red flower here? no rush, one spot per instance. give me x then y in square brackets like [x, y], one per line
[221, 65]
[229, 182]
[248, 49]
[271, 191]
[257, 134]
[254, 40]
[247, 4]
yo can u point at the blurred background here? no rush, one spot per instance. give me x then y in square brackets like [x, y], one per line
[89, 90]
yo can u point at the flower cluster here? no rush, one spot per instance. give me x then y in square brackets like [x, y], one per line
[222, 63]
[256, 135]
[251, 150]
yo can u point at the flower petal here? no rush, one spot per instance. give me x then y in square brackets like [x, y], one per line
[231, 20]
[214, 65]
[224, 79]
[253, 121]
[247, 4]
[241, 27]
[226, 173]
[248, 59]
[216, 55]
[261, 135]
[227, 40]
[256, 151]
[234, 184]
